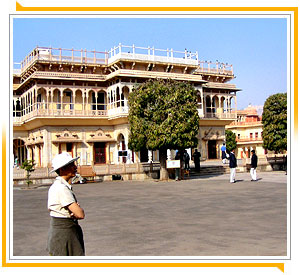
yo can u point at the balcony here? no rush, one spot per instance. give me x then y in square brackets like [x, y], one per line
[220, 115]
[246, 123]
[244, 139]
[68, 110]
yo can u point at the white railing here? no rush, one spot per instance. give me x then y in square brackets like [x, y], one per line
[248, 139]
[152, 54]
[64, 55]
[118, 111]
[214, 68]
[125, 52]
[221, 116]
[57, 109]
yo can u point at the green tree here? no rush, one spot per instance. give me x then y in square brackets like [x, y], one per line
[230, 140]
[274, 120]
[163, 115]
[28, 166]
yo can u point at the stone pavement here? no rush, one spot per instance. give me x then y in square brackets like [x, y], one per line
[206, 216]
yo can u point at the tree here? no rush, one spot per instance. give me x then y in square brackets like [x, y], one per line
[28, 166]
[274, 120]
[163, 115]
[230, 140]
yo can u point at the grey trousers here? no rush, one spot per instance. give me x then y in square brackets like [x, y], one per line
[65, 238]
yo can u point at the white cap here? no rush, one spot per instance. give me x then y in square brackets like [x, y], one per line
[62, 160]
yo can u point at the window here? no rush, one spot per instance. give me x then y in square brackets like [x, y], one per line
[251, 135]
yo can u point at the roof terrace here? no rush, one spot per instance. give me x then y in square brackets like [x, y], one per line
[148, 54]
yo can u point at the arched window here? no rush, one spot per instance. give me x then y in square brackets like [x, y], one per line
[124, 96]
[68, 100]
[99, 101]
[19, 150]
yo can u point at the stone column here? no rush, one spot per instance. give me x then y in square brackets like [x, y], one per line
[83, 101]
[47, 101]
[51, 101]
[96, 100]
[108, 99]
[73, 100]
[204, 105]
[202, 98]
[235, 103]
[87, 101]
[150, 156]
[61, 101]
[35, 98]
[226, 104]
[114, 98]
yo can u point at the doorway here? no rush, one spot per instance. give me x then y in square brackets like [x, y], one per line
[99, 153]
[144, 154]
[212, 149]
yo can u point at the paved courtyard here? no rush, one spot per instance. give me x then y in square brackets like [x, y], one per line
[206, 216]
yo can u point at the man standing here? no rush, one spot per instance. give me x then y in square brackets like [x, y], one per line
[253, 166]
[65, 235]
[223, 151]
[186, 159]
[232, 166]
[196, 157]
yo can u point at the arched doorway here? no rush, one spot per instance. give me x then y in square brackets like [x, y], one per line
[212, 149]
[19, 150]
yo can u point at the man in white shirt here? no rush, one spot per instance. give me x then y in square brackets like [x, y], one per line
[65, 234]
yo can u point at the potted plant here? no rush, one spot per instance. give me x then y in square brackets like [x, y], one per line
[28, 166]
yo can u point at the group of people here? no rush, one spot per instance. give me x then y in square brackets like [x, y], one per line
[233, 163]
[184, 158]
[65, 236]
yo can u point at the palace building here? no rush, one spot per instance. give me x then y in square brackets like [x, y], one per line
[248, 129]
[77, 101]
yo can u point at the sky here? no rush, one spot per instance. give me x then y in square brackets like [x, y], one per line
[256, 47]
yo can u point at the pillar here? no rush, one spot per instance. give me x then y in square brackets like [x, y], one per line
[73, 100]
[47, 101]
[51, 100]
[150, 156]
[86, 101]
[61, 101]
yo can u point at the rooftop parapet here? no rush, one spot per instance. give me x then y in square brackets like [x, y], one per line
[148, 54]
[152, 54]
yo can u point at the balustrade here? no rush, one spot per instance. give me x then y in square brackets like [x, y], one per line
[128, 52]
[248, 139]
[220, 115]
[56, 109]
